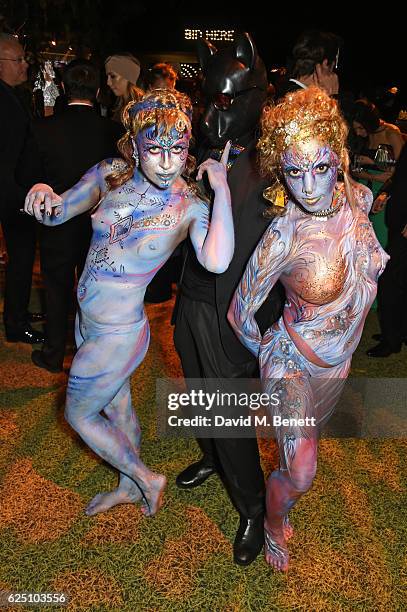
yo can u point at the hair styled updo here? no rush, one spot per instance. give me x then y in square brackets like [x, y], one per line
[302, 115]
[163, 109]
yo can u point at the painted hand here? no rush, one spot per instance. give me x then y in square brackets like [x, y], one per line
[41, 200]
[216, 170]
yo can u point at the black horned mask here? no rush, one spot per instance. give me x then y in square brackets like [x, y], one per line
[235, 86]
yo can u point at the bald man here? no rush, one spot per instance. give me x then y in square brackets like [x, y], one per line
[16, 145]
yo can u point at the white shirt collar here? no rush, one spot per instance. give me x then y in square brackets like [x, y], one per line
[80, 104]
[298, 83]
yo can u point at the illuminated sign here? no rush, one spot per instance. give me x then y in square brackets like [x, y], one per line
[227, 35]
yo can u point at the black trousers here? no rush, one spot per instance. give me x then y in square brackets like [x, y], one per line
[198, 343]
[63, 253]
[20, 237]
[392, 292]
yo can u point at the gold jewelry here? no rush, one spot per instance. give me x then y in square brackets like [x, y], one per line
[276, 194]
[327, 212]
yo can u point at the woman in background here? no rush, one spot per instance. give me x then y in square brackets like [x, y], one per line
[122, 73]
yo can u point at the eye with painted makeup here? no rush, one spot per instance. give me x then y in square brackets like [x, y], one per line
[177, 149]
[322, 168]
[154, 150]
[293, 172]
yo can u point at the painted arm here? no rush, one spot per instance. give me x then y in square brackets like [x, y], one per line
[214, 241]
[266, 264]
[52, 209]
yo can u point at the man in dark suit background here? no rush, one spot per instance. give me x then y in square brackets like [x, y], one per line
[69, 143]
[313, 61]
[392, 286]
[17, 154]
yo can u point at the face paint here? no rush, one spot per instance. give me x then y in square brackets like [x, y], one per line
[310, 170]
[162, 158]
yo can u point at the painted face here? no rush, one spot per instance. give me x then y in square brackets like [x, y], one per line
[117, 83]
[310, 170]
[162, 158]
[359, 129]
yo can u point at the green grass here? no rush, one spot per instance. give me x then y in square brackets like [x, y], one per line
[347, 552]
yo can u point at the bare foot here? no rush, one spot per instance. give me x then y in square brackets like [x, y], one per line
[103, 501]
[154, 495]
[288, 529]
[275, 548]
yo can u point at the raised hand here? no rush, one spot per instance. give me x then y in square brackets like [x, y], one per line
[216, 170]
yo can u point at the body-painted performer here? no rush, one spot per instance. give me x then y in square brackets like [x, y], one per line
[143, 207]
[235, 84]
[325, 253]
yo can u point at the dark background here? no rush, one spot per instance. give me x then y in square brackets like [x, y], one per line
[375, 41]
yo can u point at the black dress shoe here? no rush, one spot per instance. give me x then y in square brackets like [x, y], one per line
[379, 338]
[249, 539]
[382, 350]
[27, 335]
[195, 474]
[38, 359]
[36, 317]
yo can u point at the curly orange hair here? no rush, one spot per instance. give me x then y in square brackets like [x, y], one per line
[302, 115]
[163, 108]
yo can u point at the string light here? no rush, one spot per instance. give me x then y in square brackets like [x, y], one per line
[189, 71]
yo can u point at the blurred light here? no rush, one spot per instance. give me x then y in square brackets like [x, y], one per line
[393, 90]
[53, 43]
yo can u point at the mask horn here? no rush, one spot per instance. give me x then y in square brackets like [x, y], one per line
[245, 50]
[206, 50]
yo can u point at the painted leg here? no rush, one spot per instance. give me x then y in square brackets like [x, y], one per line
[101, 366]
[284, 488]
[120, 412]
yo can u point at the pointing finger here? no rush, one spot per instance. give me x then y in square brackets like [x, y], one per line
[225, 154]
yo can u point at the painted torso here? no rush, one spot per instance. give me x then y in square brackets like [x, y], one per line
[330, 283]
[134, 233]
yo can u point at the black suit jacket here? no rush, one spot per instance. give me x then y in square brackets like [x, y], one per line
[396, 207]
[72, 142]
[248, 207]
[69, 144]
[17, 149]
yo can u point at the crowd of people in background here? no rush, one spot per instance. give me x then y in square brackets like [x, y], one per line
[54, 113]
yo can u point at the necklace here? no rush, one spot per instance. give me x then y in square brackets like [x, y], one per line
[327, 212]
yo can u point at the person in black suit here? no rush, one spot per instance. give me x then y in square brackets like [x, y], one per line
[69, 144]
[392, 287]
[315, 57]
[235, 85]
[16, 145]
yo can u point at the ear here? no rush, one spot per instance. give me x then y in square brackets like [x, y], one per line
[245, 50]
[205, 51]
